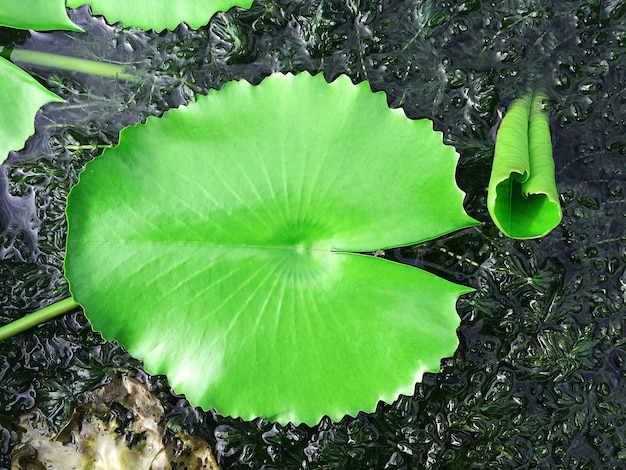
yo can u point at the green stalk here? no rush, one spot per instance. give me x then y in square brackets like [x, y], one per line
[46, 59]
[38, 317]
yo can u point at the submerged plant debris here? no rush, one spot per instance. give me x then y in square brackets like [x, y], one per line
[118, 427]
[539, 378]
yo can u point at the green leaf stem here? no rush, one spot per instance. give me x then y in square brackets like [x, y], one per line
[40, 316]
[159, 14]
[220, 244]
[522, 196]
[75, 64]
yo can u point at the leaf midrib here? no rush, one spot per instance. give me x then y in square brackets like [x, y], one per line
[294, 248]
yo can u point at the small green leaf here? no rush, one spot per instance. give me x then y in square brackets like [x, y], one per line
[522, 198]
[22, 95]
[41, 15]
[219, 244]
[21, 98]
[159, 14]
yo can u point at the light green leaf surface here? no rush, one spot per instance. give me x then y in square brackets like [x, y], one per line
[21, 98]
[220, 244]
[41, 15]
[21, 95]
[159, 14]
[522, 196]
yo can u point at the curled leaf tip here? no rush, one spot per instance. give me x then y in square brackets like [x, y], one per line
[522, 195]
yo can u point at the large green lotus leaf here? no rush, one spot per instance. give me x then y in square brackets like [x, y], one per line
[20, 99]
[522, 196]
[159, 14]
[220, 245]
[42, 15]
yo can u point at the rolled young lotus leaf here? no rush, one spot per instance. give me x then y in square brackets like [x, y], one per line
[221, 245]
[522, 196]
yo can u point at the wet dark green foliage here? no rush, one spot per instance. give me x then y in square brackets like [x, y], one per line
[539, 379]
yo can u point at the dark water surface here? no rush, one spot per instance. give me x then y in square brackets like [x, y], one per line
[539, 378]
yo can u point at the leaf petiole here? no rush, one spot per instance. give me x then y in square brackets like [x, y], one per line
[88, 147]
[46, 59]
[38, 317]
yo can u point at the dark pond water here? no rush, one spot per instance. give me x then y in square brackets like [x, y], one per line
[539, 378]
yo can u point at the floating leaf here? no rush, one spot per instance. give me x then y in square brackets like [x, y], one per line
[21, 98]
[522, 196]
[220, 244]
[22, 95]
[159, 15]
[42, 15]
